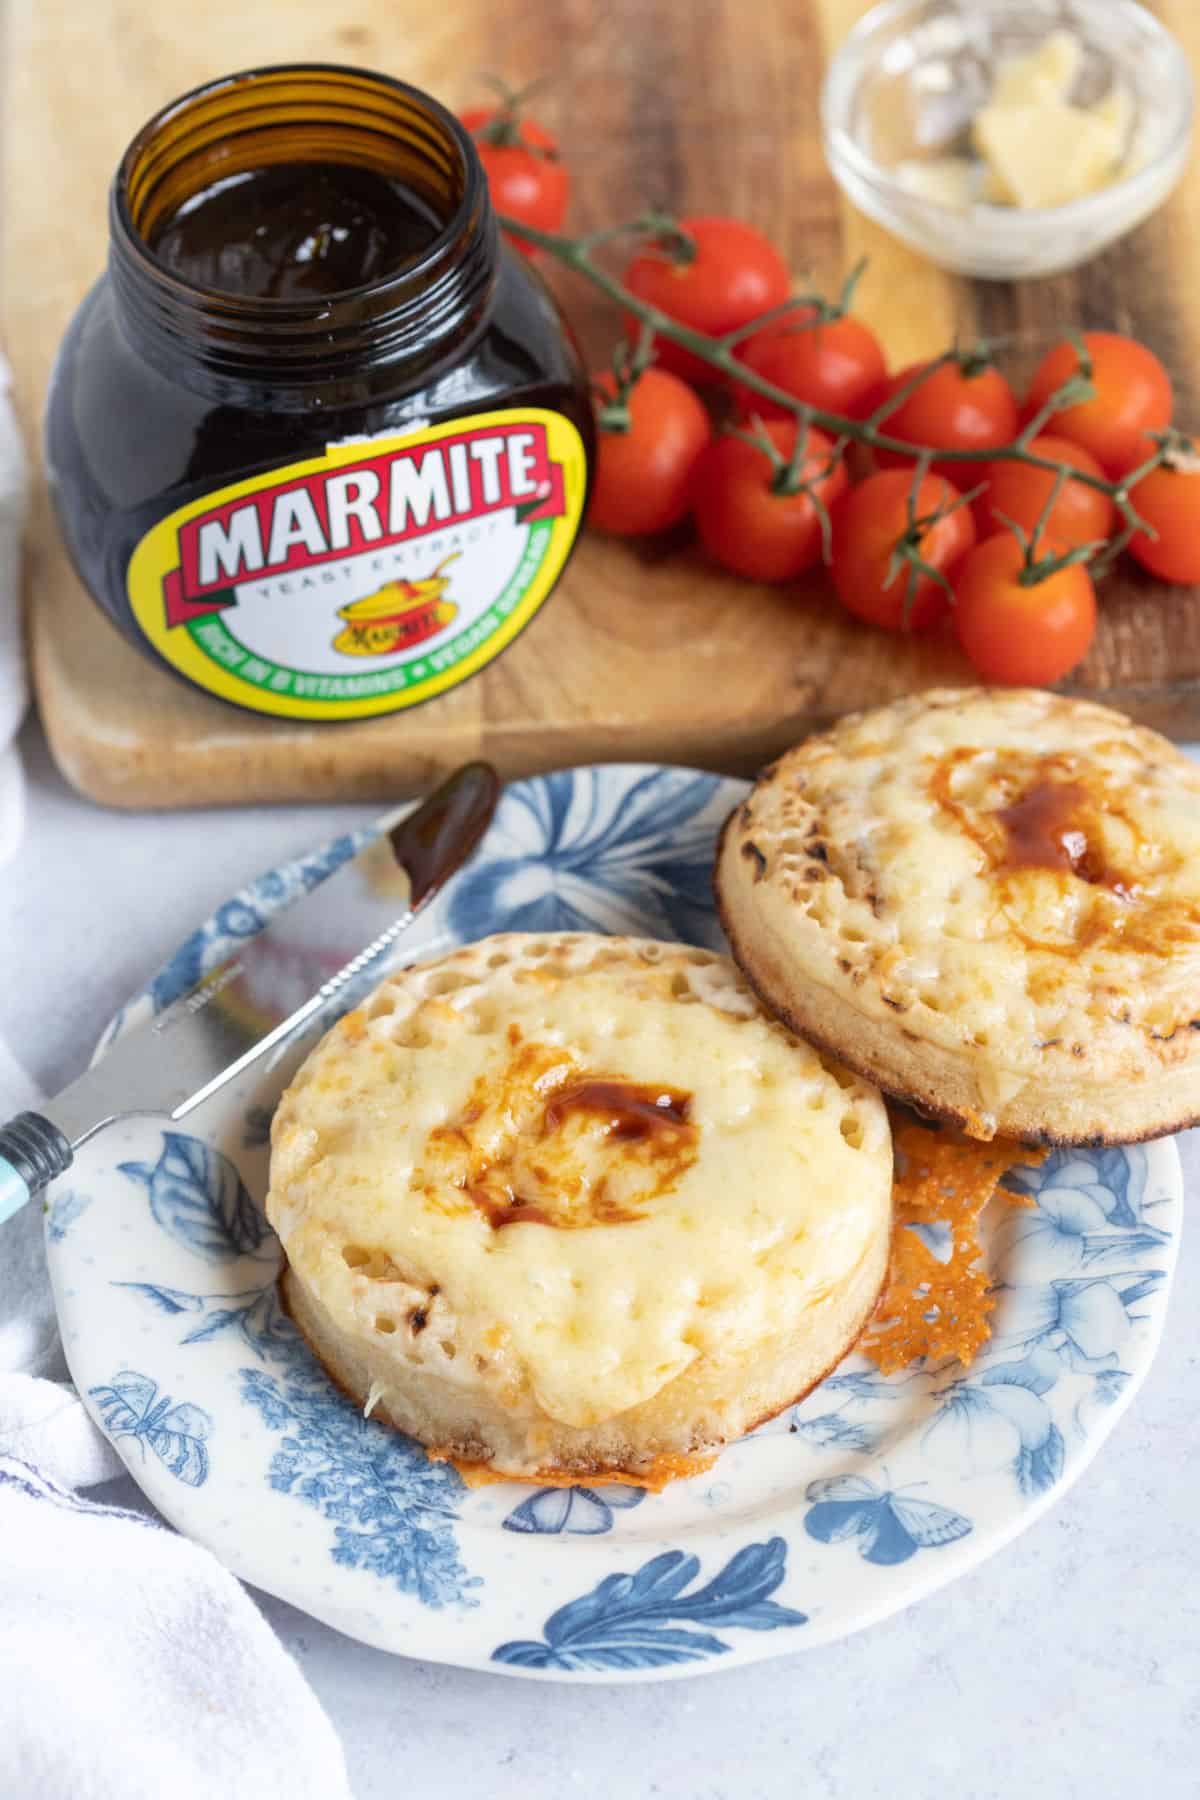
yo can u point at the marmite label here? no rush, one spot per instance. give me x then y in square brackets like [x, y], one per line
[370, 578]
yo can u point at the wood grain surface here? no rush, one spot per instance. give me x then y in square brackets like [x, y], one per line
[644, 652]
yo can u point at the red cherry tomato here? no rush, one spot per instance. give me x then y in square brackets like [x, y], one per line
[733, 277]
[1080, 515]
[837, 365]
[1169, 501]
[744, 523]
[1133, 396]
[642, 476]
[871, 521]
[520, 159]
[1027, 635]
[952, 410]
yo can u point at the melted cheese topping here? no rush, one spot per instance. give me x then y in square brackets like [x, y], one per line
[1005, 869]
[581, 1163]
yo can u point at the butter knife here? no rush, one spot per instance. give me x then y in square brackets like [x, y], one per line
[291, 974]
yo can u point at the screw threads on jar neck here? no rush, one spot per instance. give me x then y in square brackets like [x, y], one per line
[416, 314]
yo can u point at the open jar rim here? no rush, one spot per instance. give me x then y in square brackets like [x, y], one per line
[126, 203]
[416, 314]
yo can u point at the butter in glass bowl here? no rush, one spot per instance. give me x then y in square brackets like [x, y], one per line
[1007, 138]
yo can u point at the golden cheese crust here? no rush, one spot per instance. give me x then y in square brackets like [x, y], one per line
[987, 901]
[577, 1203]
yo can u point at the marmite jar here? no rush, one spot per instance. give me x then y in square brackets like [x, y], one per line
[318, 441]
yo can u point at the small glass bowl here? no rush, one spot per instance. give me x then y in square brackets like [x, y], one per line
[910, 77]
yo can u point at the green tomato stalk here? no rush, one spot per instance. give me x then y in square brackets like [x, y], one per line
[576, 254]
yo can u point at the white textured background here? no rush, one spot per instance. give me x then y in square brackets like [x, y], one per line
[1067, 1668]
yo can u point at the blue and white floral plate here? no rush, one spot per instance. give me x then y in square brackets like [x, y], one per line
[870, 1494]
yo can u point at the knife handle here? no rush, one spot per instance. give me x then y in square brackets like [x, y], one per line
[33, 1153]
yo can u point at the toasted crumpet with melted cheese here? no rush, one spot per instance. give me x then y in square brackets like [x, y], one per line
[574, 1206]
[987, 901]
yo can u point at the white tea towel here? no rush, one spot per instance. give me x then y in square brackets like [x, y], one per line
[13, 694]
[132, 1665]
[135, 1666]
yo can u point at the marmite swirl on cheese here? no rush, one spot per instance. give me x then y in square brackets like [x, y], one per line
[575, 1206]
[989, 903]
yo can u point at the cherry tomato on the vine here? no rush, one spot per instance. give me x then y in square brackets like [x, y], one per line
[731, 275]
[744, 522]
[836, 364]
[1133, 396]
[869, 524]
[520, 159]
[1169, 501]
[1080, 514]
[1028, 635]
[952, 409]
[642, 477]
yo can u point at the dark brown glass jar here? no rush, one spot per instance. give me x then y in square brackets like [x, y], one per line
[319, 442]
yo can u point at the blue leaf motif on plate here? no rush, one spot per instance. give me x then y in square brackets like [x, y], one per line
[1039, 1467]
[166, 1299]
[131, 1407]
[1122, 1173]
[862, 1388]
[830, 1431]
[246, 914]
[580, 1511]
[1070, 1233]
[1038, 1372]
[254, 1314]
[843, 1399]
[392, 1507]
[1106, 1389]
[888, 1525]
[393, 1510]
[581, 851]
[1092, 1208]
[1115, 1178]
[1086, 1320]
[1002, 1420]
[65, 1208]
[642, 1621]
[198, 1196]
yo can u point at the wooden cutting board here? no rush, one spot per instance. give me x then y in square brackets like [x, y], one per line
[645, 652]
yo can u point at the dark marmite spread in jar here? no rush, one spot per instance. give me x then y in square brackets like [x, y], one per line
[292, 229]
[318, 442]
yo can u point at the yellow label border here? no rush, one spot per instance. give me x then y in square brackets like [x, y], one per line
[157, 555]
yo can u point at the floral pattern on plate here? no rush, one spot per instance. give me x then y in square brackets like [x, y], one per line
[871, 1492]
[646, 1621]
